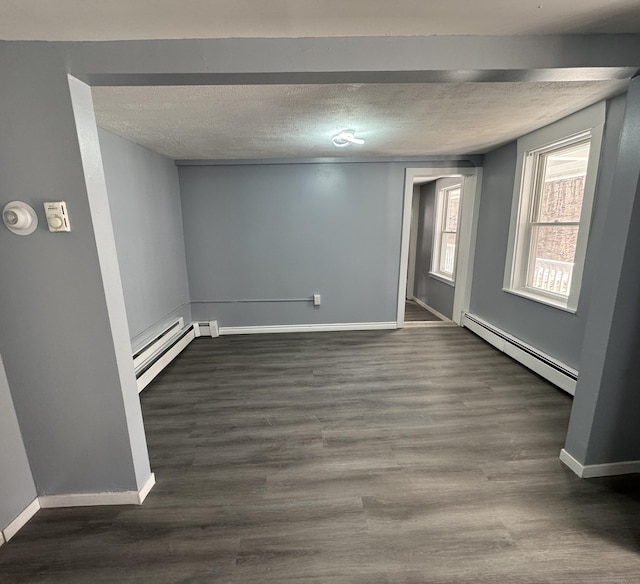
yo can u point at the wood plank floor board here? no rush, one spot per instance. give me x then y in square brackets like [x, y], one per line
[378, 457]
[413, 312]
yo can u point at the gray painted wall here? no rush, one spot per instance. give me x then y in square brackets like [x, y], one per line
[430, 290]
[604, 420]
[555, 332]
[17, 489]
[63, 326]
[144, 199]
[289, 231]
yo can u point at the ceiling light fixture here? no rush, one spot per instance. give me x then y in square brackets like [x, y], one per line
[346, 137]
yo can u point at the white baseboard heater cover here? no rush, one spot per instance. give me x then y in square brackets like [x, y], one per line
[158, 352]
[207, 329]
[151, 346]
[551, 369]
[165, 351]
[307, 328]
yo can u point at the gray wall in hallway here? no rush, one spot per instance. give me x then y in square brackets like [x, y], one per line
[555, 332]
[431, 291]
[16, 483]
[144, 198]
[289, 231]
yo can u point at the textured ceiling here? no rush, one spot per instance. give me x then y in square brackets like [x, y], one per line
[156, 19]
[297, 121]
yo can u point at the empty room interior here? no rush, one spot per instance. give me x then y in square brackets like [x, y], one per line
[319, 292]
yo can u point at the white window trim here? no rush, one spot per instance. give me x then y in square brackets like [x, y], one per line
[442, 279]
[590, 120]
[441, 195]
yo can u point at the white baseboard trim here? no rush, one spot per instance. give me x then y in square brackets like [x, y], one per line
[20, 521]
[76, 500]
[430, 309]
[145, 489]
[429, 324]
[108, 498]
[208, 328]
[307, 328]
[551, 369]
[572, 463]
[590, 471]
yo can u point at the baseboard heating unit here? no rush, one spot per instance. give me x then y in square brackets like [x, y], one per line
[544, 365]
[157, 353]
[152, 345]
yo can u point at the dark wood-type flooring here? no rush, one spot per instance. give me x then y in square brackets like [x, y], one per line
[397, 457]
[413, 312]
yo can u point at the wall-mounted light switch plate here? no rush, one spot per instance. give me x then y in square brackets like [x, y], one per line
[316, 299]
[57, 216]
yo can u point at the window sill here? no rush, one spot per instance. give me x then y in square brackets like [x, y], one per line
[442, 279]
[541, 299]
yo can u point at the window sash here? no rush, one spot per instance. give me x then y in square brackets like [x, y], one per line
[444, 254]
[549, 275]
[554, 223]
[447, 254]
[542, 275]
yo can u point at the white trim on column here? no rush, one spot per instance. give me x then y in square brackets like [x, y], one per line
[76, 500]
[145, 489]
[413, 242]
[571, 462]
[108, 498]
[20, 521]
[590, 471]
[471, 189]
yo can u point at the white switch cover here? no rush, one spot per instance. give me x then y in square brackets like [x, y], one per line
[57, 216]
[316, 299]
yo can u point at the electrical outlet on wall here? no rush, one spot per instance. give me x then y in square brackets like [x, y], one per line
[316, 299]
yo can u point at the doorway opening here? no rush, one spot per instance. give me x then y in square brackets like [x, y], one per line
[438, 235]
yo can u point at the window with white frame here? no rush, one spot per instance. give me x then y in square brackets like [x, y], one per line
[443, 257]
[553, 198]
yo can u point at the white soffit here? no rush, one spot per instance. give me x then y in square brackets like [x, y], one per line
[297, 121]
[158, 19]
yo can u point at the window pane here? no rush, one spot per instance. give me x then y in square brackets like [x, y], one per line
[447, 253]
[451, 213]
[563, 176]
[553, 250]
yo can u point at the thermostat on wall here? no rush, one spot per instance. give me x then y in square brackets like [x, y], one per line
[57, 217]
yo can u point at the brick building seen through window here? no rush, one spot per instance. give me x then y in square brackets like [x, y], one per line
[554, 246]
